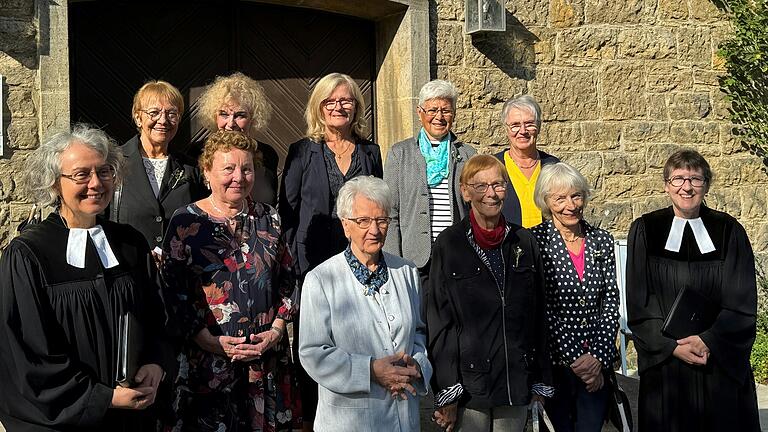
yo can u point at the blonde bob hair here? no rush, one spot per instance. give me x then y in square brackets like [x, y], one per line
[559, 176]
[481, 162]
[235, 89]
[157, 90]
[323, 89]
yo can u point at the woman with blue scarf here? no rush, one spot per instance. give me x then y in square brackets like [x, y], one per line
[421, 172]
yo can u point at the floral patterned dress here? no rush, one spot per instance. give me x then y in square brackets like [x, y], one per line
[233, 285]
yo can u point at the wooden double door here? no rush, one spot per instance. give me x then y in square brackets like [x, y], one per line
[116, 46]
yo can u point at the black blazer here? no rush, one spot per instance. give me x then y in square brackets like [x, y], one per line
[511, 210]
[305, 195]
[135, 203]
[494, 346]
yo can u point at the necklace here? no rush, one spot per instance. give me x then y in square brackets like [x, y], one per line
[535, 161]
[576, 237]
[230, 220]
[340, 154]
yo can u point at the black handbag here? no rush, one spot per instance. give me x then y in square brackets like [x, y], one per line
[619, 412]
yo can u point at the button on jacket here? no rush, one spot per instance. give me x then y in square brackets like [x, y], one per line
[582, 316]
[135, 204]
[342, 330]
[493, 344]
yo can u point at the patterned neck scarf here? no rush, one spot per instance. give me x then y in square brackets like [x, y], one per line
[371, 280]
[436, 157]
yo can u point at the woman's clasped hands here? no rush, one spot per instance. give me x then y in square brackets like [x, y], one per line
[236, 347]
[396, 373]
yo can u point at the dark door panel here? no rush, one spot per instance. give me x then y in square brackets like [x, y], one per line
[116, 46]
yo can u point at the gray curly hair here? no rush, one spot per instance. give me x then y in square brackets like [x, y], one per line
[40, 184]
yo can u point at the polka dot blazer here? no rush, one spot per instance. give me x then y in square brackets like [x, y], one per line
[582, 316]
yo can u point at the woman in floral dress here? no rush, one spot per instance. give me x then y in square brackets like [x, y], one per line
[229, 286]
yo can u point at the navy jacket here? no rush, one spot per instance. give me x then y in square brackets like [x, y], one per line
[305, 200]
[512, 211]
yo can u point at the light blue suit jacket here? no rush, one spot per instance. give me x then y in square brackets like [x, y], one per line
[342, 330]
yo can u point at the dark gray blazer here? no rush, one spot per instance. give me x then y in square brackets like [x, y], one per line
[410, 234]
[135, 204]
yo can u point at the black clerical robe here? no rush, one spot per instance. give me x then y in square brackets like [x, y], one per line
[58, 329]
[676, 396]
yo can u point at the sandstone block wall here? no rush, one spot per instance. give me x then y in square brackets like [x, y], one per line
[19, 67]
[622, 84]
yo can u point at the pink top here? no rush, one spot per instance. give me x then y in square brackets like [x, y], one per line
[578, 260]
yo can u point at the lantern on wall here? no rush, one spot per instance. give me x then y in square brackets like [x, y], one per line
[484, 15]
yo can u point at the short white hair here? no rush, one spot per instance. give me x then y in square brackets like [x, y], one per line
[370, 187]
[526, 102]
[438, 89]
[559, 176]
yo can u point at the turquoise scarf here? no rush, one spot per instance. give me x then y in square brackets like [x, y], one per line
[436, 157]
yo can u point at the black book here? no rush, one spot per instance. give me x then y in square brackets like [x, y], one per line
[692, 313]
[129, 346]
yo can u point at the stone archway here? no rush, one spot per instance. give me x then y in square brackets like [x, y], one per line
[402, 60]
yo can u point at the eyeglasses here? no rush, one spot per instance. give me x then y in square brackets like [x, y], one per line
[433, 112]
[154, 114]
[365, 222]
[678, 181]
[483, 187]
[106, 174]
[515, 127]
[330, 104]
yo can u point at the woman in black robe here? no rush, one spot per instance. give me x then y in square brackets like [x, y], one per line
[702, 382]
[65, 283]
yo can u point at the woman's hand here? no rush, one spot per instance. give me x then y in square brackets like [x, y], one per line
[445, 417]
[692, 350]
[149, 375]
[261, 343]
[596, 383]
[395, 374]
[586, 367]
[222, 345]
[132, 398]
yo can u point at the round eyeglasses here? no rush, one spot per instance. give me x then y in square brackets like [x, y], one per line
[106, 174]
[154, 114]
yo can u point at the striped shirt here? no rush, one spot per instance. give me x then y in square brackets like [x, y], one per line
[440, 208]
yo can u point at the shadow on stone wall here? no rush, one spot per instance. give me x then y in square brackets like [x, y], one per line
[516, 56]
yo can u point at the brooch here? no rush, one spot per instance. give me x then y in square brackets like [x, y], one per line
[518, 253]
[176, 177]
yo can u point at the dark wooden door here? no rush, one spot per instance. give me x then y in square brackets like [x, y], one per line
[116, 46]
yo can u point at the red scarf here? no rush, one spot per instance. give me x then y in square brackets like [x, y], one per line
[487, 239]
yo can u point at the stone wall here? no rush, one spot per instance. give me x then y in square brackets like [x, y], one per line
[19, 67]
[622, 84]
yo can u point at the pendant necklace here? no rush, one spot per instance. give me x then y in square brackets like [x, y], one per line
[230, 220]
[340, 154]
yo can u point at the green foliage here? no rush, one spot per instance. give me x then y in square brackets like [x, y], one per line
[759, 356]
[746, 81]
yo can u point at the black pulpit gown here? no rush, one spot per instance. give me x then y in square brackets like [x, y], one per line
[676, 396]
[58, 329]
